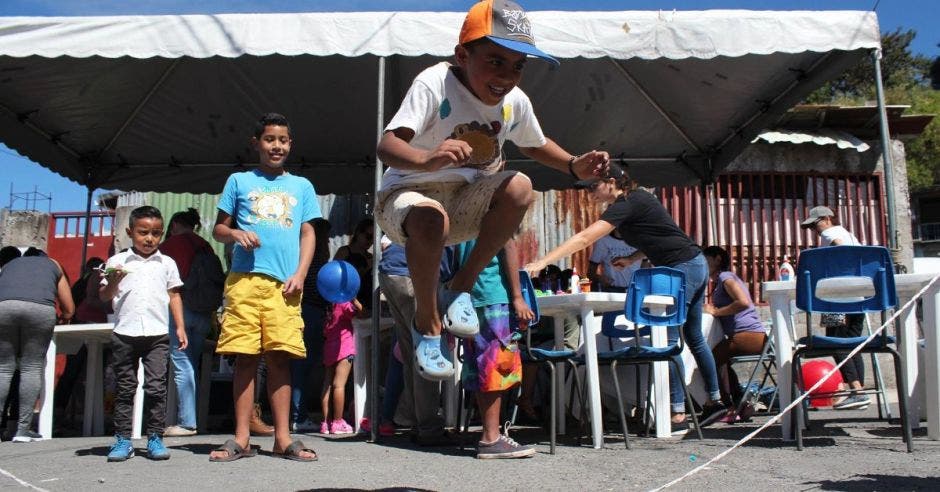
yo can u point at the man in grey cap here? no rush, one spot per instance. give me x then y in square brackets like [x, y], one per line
[830, 234]
[820, 219]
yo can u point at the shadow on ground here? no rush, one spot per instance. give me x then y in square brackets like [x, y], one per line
[386, 489]
[864, 483]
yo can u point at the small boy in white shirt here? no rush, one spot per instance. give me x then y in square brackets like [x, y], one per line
[141, 282]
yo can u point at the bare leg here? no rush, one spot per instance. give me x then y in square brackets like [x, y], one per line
[489, 405]
[243, 391]
[339, 388]
[510, 203]
[279, 395]
[326, 392]
[427, 227]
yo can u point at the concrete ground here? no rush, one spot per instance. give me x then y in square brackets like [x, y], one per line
[848, 450]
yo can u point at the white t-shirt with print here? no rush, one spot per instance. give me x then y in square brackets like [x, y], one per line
[439, 107]
[605, 250]
[833, 233]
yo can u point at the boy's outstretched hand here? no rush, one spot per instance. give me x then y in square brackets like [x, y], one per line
[593, 163]
[449, 152]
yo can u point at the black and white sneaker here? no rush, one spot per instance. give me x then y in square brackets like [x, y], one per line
[28, 436]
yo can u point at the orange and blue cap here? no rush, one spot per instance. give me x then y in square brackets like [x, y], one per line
[505, 23]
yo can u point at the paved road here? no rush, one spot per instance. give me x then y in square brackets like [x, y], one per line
[841, 455]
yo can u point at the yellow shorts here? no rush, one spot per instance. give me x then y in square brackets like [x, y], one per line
[258, 318]
[465, 204]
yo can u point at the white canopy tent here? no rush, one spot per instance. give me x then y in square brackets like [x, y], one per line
[166, 103]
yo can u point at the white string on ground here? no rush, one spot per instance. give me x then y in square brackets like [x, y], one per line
[20, 481]
[806, 393]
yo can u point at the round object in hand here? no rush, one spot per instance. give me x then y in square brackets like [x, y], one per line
[813, 371]
[338, 281]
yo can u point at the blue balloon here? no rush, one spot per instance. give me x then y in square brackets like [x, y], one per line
[338, 281]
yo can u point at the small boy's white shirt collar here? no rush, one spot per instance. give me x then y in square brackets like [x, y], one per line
[132, 255]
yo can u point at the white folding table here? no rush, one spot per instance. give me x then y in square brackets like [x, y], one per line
[69, 339]
[781, 293]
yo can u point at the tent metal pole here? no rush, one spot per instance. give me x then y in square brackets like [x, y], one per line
[140, 105]
[81, 267]
[886, 151]
[374, 418]
[662, 112]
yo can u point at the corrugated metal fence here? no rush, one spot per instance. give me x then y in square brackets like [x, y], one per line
[756, 216]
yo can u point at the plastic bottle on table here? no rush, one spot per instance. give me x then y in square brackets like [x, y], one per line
[785, 272]
[574, 286]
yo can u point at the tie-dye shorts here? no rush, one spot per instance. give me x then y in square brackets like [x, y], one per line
[491, 359]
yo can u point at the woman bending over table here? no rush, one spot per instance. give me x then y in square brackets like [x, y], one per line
[645, 224]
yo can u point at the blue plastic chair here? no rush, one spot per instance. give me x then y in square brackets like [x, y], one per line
[660, 281]
[842, 262]
[548, 356]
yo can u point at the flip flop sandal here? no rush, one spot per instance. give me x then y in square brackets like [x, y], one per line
[293, 452]
[235, 452]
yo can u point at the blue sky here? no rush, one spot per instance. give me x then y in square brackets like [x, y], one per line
[921, 15]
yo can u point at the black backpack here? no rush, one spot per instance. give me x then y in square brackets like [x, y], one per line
[203, 287]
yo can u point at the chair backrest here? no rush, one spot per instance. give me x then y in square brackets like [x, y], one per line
[871, 262]
[528, 293]
[657, 281]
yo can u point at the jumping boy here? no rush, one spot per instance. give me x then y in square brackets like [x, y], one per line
[142, 282]
[446, 184]
[266, 213]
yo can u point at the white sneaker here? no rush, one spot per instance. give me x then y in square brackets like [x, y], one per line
[28, 436]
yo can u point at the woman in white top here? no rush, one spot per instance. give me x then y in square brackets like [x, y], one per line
[820, 219]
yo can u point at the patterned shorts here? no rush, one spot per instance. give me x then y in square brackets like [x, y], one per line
[465, 204]
[491, 359]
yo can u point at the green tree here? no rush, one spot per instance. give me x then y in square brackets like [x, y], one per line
[923, 153]
[908, 80]
[899, 69]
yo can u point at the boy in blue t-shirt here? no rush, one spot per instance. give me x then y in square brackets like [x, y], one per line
[491, 363]
[266, 213]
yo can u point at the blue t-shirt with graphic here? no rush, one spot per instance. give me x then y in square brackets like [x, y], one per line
[273, 207]
[491, 286]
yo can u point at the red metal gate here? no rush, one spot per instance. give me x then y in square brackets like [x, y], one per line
[66, 238]
[758, 216]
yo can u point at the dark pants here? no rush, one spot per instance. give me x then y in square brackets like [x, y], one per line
[302, 369]
[854, 369]
[425, 395]
[125, 352]
[394, 385]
